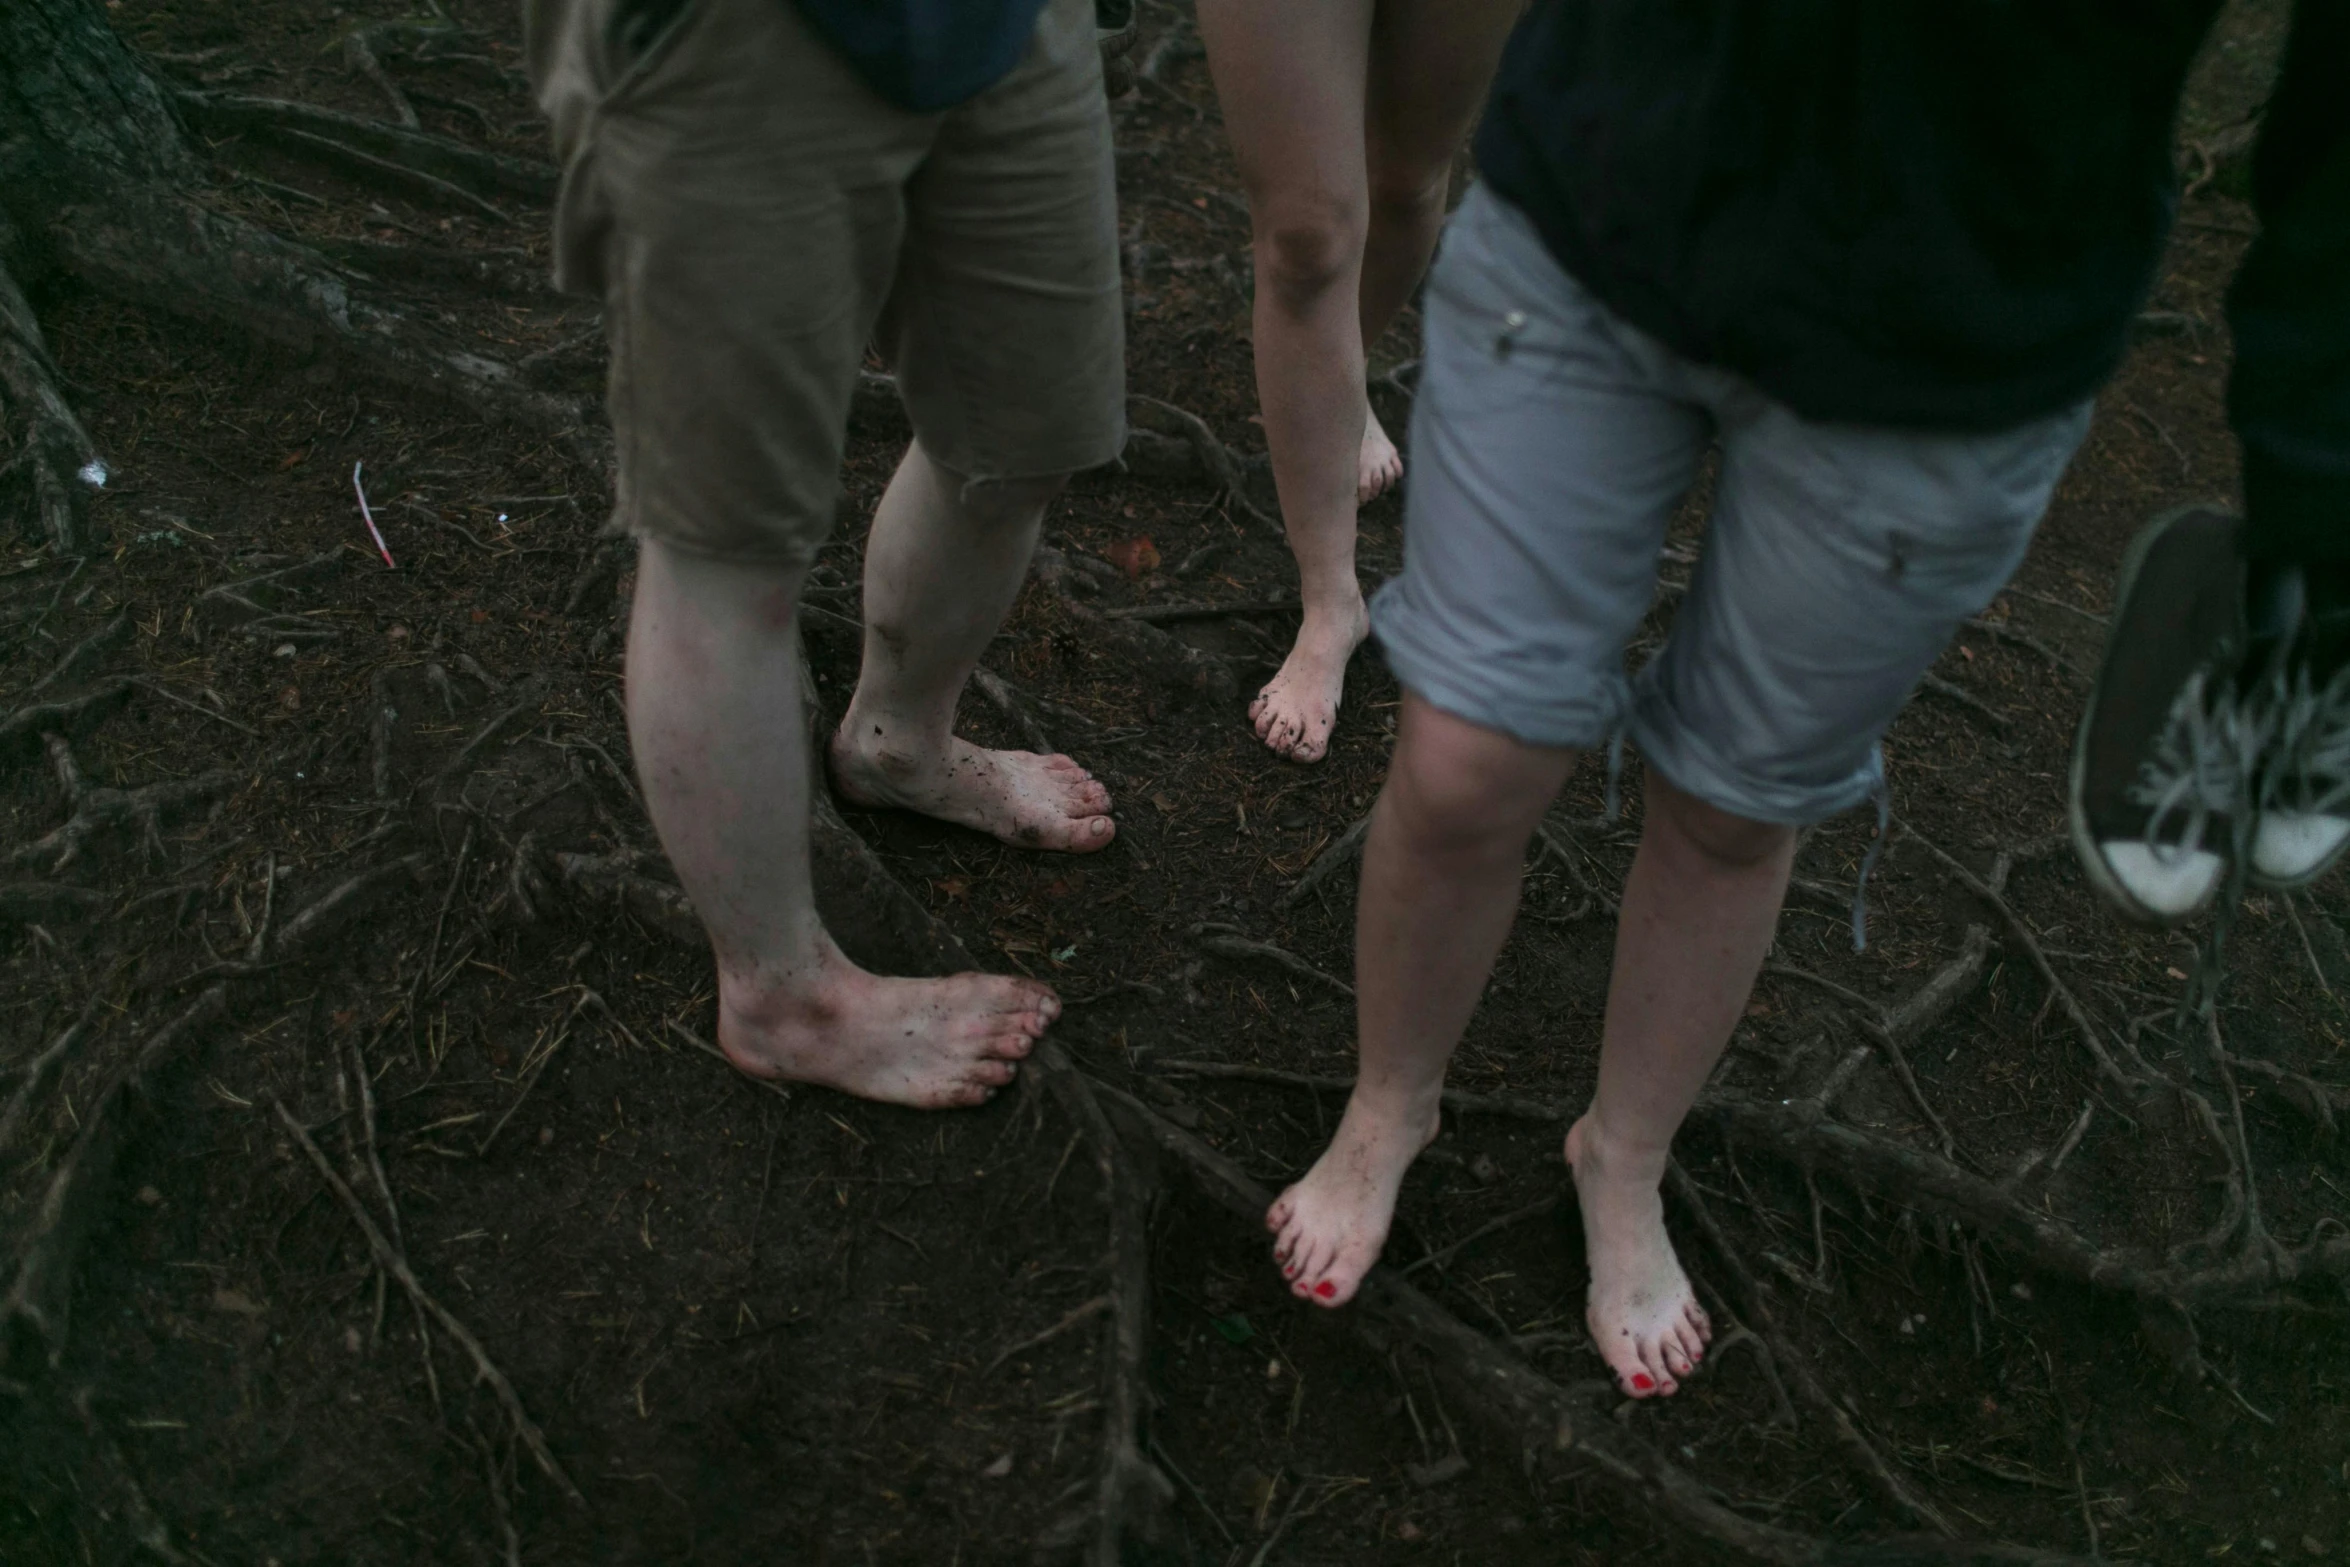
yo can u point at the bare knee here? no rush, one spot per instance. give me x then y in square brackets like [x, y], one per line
[1408, 198]
[1455, 791]
[1305, 248]
[1726, 841]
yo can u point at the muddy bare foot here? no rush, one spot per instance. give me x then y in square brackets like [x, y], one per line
[1644, 1320]
[1034, 802]
[1298, 708]
[1328, 1229]
[932, 1044]
[1379, 465]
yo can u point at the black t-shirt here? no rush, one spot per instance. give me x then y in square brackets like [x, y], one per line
[927, 54]
[1939, 214]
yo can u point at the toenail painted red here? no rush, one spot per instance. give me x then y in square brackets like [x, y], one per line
[1325, 1289]
[1641, 1382]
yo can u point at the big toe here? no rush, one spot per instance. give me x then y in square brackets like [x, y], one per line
[1634, 1374]
[1332, 1284]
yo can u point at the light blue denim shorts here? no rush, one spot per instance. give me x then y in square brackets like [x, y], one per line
[1552, 443]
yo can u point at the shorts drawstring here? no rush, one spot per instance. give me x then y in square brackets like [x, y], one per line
[1882, 795]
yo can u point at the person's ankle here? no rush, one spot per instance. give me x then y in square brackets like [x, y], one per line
[808, 996]
[872, 734]
[1388, 1109]
[1334, 609]
[1604, 1151]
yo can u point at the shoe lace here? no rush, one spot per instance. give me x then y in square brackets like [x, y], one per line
[2311, 742]
[2203, 763]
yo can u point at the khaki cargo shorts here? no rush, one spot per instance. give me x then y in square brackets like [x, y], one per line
[754, 216]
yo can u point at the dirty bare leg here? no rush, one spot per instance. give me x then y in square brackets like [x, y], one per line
[1700, 905]
[1441, 874]
[942, 567]
[722, 749]
[1291, 82]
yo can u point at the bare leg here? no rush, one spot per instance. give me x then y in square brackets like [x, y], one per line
[1308, 90]
[1291, 79]
[722, 748]
[1430, 62]
[1441, 872]
[941, 569]
[1699, 909]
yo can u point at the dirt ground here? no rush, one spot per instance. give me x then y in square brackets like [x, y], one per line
[794, 1327]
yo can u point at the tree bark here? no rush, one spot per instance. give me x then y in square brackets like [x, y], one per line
[100, 182]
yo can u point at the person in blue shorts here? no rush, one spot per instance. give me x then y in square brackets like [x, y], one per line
[1881, 253]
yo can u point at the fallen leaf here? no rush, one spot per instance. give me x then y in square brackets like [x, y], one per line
[1133, 556]
[226, 1299]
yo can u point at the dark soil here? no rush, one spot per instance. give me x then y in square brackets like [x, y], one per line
[770, 1327]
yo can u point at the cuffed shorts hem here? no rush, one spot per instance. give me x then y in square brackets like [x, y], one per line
[1571, 710]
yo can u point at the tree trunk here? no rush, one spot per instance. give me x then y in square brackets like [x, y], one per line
[100, 182]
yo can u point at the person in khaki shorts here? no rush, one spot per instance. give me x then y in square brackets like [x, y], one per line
[757, 190]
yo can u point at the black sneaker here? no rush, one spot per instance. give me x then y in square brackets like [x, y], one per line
[2166, 752]
[2302, 823]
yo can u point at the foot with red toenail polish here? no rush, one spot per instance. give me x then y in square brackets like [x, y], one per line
[1644, 1319]
[1329, 1227]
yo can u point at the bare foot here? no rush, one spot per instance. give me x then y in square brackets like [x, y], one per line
[928, 1043]
[1644, 1320]
[1379, 464]
[1034, 802]
[1298, 708]
[1328, 1228]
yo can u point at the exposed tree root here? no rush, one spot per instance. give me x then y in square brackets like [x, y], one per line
[393, 1263]
[38, 1303]
[1218, 463]
[1163, 614]
[25, 730]
[1226, 941]
[1952, 691]
[1170, 662]
[100, 811]
[1802, 1132]
[1543, 1422]
[154, 248]
[476, 171]
[38, 1297]
[1754, 1303]
[1342, 852]
[84, 656]
[1992, 891]
[55, 458]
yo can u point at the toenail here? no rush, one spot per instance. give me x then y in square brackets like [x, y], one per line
[1641, 1382]
[1325, 1289]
